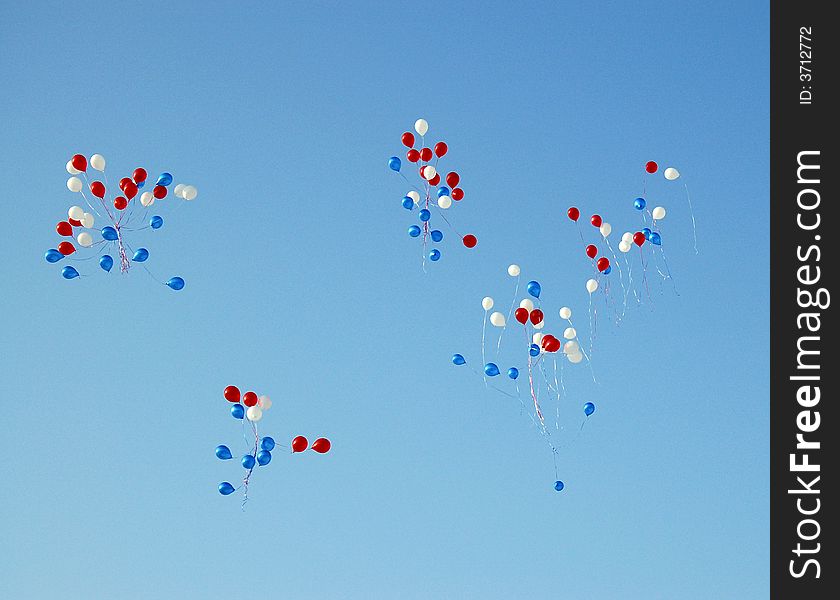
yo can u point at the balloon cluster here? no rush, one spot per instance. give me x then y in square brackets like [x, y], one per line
[120, 213]
[432, 193]
[249, 408]
[537, 348]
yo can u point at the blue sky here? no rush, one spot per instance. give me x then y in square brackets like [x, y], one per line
[302, 284]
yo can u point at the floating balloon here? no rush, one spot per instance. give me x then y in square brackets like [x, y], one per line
[249, 399]
[176, 283]
[591, 251]
[436, 235]
[248, 462]
[514, 270]
[299, 444]
[487, 303]
[408, 139]
[426, 155]
[321, 445]
[469, 240]
[521, 315]
[534, 288]
[425, 215]
[66, 248]
[264, 402]
[658, 213]
[441, 149]
[639, 238]
[254, 413]
[444, 202]
[491, 369]
[497, 319]
[267, 443]
[79, 162]
[434, 255]
[53, 255]
[97, 161]
[74, 184]
[573, 213]
[559, 485]
[527, 304]
[156, 222]
[69, 272]
[513, 373]
[605, 229]
[414, 231]
[394, 163]
[84, 239]
[588, 409]
[655, 238]
[671, 174]
[603, 264]
[231, 393]
[536, 316]
[106, 262]
[223, 453]
[421, 126]
[651, 167]
[164, 179]
[87, 220]
[412, 155]
[226, 489]
[591, 285]
[596, 220]
[237, 411]
[639, 203]
[407, 203]
[458, 359]
[263, 457]
[624, 246]
[140, 255]
[566, 313]
[570, 333]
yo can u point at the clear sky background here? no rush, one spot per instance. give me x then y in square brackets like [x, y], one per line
[302, 284]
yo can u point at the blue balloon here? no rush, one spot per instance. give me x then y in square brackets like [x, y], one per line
[588, 408]
[109, 233]
[534, 288]
[223, 453]
[407, 203]
[106, 262]
[226, 489]
[263, 457]
[443, 191]
[237, 411]
[647, 232]
[394, 163]
[458, 359]
[164, 179]
[156, 222]
[559, 485]
[425, 215]
[414, 231]
[69, 272]
[513, 372]
[267, 443]
[53, 256]
[140, 255]
[491, 370]
[437, 235]
[639, 203]
[534, 350]
[434, 255]
[608, 270]
[248, 461]
[141, 184]
[655, 238]
[176, 283]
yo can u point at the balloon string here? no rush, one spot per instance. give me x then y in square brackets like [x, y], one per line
[630, 275]
[693, 222]
[644, 271]
[483, 333]
[531, 378]
[510, 314]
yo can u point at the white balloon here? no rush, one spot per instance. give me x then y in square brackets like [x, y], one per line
[566, 313]
[540, 325]
[76, 213]
[497, 319]
[147, 198]
[527, 305]
[624, 246]
[658, 213]
[74, 184]
[671, 174]
[627, 237]
[190, 192]
[421, 126]
[264, 402]
[514, 270]
[537, 338]
[444, 202]
[414, 196]
[254, 413]
[591, 285]
[87, 220]
[429, 172]
[71, 169]
[487, 303]
[575, 358]
[605, 229]
[571, 347]
[570, 333]
[179, 190]
[84, 239]
[97, 161]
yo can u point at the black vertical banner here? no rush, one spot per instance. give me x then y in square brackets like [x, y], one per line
[805, 438]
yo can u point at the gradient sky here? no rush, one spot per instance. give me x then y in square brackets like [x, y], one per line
[302, 284]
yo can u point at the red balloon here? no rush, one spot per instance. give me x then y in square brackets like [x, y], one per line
[408, 139]
[536, 316]
[124, 182]
[413, 155]
[120, 203]
[79, 162]
[457, 194]
[232, 393]
[603, 264]
[139, 175]
[97, 188]
[574, 213]
[66, 248]
[596, 220]
[64, 228]
[74, 222]
[651, 167]
[470, 240]
[639, 238]
[440, 149]
[426, 154]
[423, 168]
[321, 445]
[299, 444]
[452, 179]
[249, 399]
[159, 192]
[435, 180]
[521, 315]
[591, 250]
[130, 190]
[553, 345]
